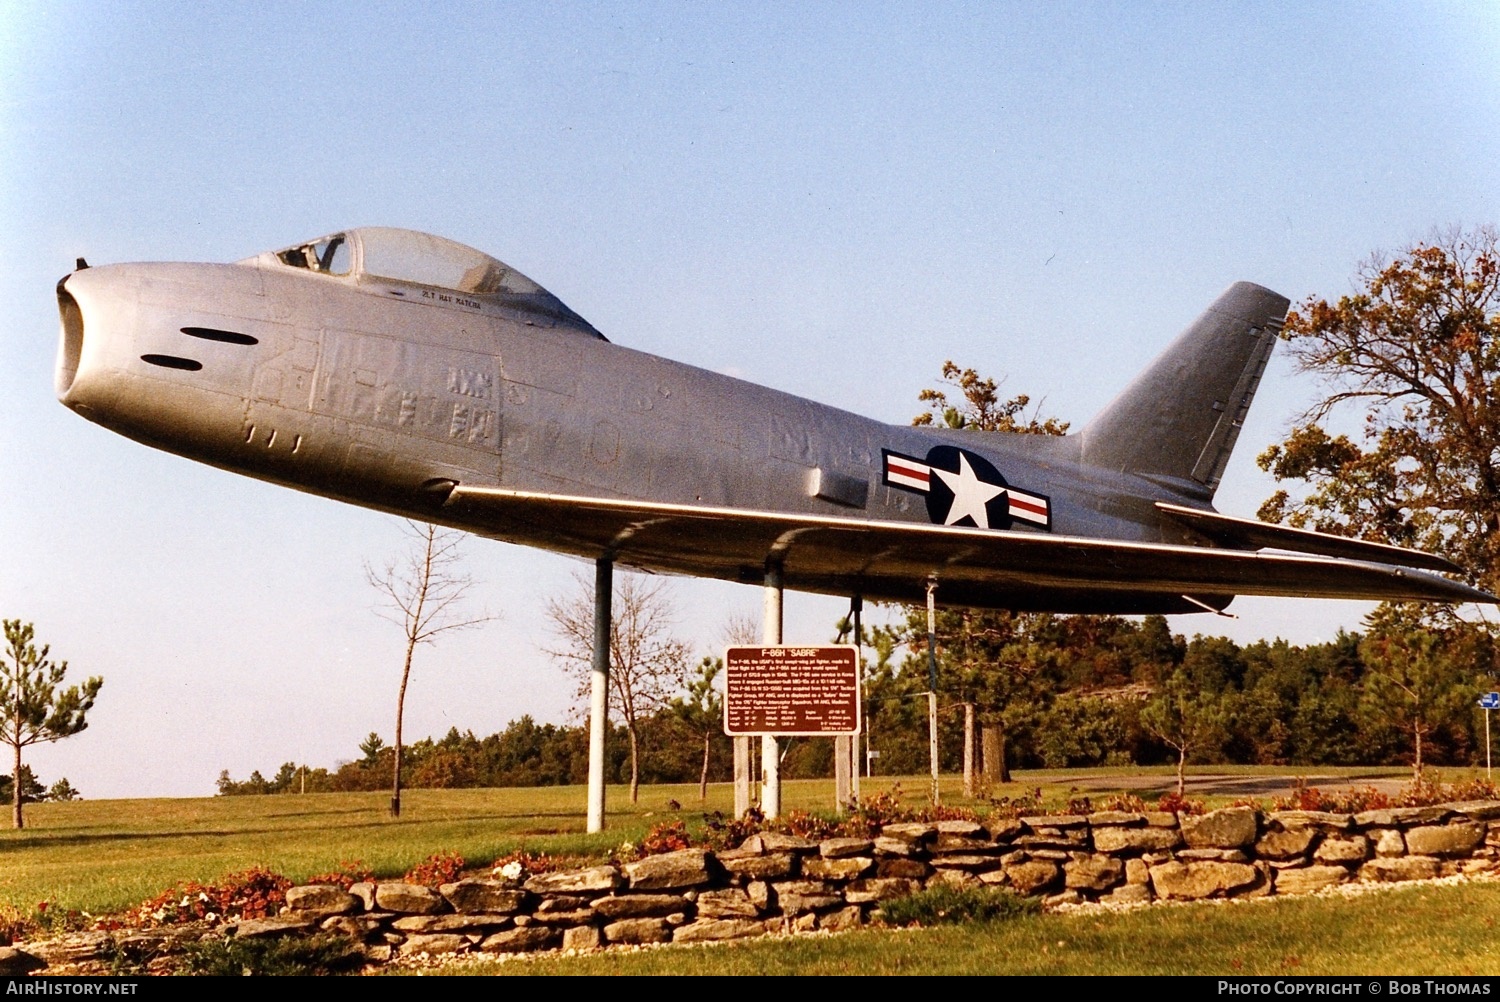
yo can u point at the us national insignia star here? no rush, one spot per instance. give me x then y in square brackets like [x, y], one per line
[963, 488]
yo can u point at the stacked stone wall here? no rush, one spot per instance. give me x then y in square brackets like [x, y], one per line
[777, 883]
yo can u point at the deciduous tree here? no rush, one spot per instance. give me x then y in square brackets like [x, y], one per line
[1415, 348]
[32, 707]
[423, 592]
[647, 664]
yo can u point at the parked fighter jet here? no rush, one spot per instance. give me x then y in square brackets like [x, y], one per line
[411, 374]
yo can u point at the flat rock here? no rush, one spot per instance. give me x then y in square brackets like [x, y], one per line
[594, 880]
[1230, 828]
[436, 943]
[1389, 843]
[730, 903]
[948, 842]
[1033, 876]
[770, 867]
[521, 940]
[1128, 894]
[1400, 817]
[265, 928]
[973, 864]
[408, 899]
[896, 847]
[321, 900]
[1307, 879]
[1123, 840]
[365, 891]
[1222, 855]
[641, 906]
[710, 929]
[75, 948]
[1055, 821]
[909, 831]
[1321, 820]
[953, 878]
[671, 870]
[1399, 868]
[581, 916]
[841, 848]
[1445, 840]
[848, 917]
[778, 842]
[1478, 810]
[450, 923]
[1195, 881]
[638, 930]
[1101, 819]
[489, 897]
[582, 937]
[1093, 873]
[1004, 829]
[843, 868]
[1290, 843]
[1339, 849]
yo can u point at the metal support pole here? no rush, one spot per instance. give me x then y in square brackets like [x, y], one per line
[932, 704]
[770, 750]
[854, 756]
[1486, 745]
[599, 695]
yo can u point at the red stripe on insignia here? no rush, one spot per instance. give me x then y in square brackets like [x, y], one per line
[1035, 509]
[922, 473]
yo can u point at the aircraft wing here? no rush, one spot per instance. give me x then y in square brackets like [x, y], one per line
[892, 560]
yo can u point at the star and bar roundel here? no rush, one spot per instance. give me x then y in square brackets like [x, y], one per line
[963, 488]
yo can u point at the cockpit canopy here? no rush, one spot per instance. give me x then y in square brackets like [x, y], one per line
[386, 254]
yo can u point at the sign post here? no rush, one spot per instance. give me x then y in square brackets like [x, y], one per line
[1489, 701]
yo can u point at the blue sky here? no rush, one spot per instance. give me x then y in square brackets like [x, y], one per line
[828, 198]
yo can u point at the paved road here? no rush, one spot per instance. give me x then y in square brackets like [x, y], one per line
[1231, 785]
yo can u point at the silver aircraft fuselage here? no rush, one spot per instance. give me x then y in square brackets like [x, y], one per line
[489, 406]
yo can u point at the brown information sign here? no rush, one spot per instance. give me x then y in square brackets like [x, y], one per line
[791, 690]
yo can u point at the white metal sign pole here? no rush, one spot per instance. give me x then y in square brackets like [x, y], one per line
[1487, 743]
[932, 707]
[770, 750]
[599, 695]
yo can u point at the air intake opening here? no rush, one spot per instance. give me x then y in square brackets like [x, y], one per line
[70, 344]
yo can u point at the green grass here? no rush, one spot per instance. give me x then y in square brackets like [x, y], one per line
[1406, 931]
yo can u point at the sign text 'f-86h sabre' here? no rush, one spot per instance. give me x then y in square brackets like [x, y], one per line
[415, 375]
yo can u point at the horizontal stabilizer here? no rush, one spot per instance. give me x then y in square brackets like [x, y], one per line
[892, 561]
[1248, 534]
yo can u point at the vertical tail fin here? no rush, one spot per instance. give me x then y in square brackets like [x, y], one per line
[1180, 417]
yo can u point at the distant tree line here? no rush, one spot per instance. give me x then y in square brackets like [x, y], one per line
[34, 790]
[1066, 691]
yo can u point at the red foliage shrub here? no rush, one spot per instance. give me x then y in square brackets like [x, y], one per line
[1178, 804]
[665, 836]
[437, 869]
[248, 894]
[349, 873]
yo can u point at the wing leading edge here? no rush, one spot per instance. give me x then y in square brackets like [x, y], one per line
[893, 560]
